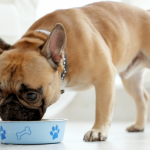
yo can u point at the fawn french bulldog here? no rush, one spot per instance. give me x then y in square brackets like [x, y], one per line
[98, 40]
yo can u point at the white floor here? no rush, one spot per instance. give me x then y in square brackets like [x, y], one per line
[118, 139]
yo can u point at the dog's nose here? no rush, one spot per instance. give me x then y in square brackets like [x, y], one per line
[11, 98]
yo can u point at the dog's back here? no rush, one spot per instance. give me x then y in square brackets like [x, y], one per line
[119, 25]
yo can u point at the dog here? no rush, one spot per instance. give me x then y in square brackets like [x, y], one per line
[89, 45]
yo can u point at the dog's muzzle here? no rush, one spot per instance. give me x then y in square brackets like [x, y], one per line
[13, 110]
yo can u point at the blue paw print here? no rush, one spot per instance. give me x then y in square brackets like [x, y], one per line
[54, 132]
[2, 133]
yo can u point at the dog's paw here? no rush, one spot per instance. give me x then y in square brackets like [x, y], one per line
[95, 135]
[135, 128]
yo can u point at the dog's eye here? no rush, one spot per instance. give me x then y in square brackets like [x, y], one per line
[31, 96]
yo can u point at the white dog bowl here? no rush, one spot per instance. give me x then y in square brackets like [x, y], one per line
[32, 132]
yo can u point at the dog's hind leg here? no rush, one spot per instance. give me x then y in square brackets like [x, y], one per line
[134, 86]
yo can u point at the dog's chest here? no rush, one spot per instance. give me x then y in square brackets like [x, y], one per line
[76, 85]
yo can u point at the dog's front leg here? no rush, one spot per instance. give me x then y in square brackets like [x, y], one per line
[105, 93]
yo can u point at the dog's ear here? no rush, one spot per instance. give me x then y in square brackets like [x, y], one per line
[4, 45]
[53, 47]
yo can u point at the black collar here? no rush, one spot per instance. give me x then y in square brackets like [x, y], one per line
[63, 74]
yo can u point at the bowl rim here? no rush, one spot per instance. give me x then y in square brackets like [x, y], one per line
[43, 120]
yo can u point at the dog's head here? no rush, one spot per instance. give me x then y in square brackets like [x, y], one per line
[30, 74]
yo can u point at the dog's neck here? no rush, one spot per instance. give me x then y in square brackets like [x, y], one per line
[63, 74]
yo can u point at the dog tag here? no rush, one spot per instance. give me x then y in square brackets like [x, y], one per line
[62, 91]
